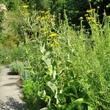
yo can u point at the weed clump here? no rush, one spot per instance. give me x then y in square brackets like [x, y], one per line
[17, 67]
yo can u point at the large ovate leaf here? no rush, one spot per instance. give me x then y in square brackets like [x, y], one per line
[42, 49]
[47, 61]
[52, 86]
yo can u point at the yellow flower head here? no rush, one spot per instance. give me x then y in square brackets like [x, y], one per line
[89, 18]
[88, 11]
[47, 16]
[46, 32]
[23, 12]
[42, 29]
[42, 18]
[42, 11]
[53, 35]
[25, 6]
[48, 25]
[27, 13]
[38, 17]
[52, 45]
[46, 12]
[53, 19]
[93, 9]
[57, 43]
[49, 39]
[74, 44]
[97, 24]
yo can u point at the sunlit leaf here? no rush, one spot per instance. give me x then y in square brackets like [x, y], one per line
[90, 108]
[52, 86]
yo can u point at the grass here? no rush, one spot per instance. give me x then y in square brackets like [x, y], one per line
[11, 21]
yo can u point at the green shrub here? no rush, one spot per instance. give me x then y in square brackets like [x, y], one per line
[17, 67]
[32, 98]
[18, 53]
[11, 4]
[4, 55]
[1, 19]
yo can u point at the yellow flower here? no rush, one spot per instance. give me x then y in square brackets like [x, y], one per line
[27, 13]
[53, 35]
[42, 29]
[89, 18]
[94, 27]
[49, 39]
[97, 24]
[52, 45]
[53, 19]
[42, 18]
[74, 44]
[46, 12]
[23, 12]
[25, 6]
[47, 16]
[42, 11]
[88, 11]
[38, 17]
[48, 25]
[93, 9]
[46, 32]
[57, 43]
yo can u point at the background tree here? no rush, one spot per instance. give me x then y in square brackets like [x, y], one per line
[74, 8]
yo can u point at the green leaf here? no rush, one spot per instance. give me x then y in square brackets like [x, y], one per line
[51, 86]
[42, 49]
[108, 6]
[45, 108]
[39, 93]
[54, 74]
[90, 108]
[47, 61]
[50, 71]
[80, 100]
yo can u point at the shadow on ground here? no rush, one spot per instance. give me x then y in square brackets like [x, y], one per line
[11, 104]
[11, 73]
[7, 66]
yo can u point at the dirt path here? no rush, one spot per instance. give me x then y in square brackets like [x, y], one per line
[10, 92]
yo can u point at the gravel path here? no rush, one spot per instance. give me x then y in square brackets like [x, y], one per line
[10, 92]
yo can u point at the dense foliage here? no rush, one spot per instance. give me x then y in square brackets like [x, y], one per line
[17, 67]
[1, 19]
[75, 8]
[11, 4]
[64, 68]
